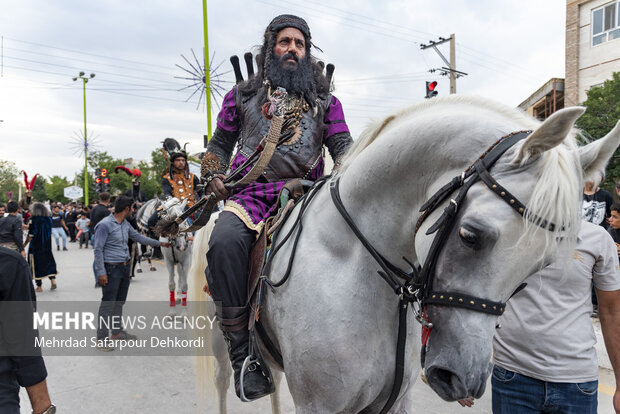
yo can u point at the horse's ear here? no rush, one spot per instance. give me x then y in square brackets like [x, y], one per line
[550, 134]
[595, 155]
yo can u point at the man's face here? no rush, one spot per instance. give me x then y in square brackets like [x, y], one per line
[1, 211]
[290, 47]
[56, 210]
[179, 164]
[614, 220]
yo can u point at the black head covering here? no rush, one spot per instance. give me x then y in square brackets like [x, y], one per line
[288, 20]
[176, 155]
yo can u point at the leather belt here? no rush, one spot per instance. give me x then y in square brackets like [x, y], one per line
[117, 263]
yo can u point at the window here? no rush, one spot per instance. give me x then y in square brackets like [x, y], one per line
[606, 23]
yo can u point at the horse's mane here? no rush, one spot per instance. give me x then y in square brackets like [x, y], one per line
[375, 127]
[557, 192]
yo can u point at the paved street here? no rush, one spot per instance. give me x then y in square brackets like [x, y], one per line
[112, 383]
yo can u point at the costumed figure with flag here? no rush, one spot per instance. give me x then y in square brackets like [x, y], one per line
[138, 196]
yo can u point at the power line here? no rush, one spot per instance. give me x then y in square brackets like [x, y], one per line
[104, 72]
[87, 61]
[86, 53]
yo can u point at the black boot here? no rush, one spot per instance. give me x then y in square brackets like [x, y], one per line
[234, 325]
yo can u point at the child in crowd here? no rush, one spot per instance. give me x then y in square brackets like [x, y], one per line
[614, 225]
[82, 225]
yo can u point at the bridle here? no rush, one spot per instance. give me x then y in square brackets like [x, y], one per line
[416, 287]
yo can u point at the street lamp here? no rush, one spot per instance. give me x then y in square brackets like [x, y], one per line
[84, 81]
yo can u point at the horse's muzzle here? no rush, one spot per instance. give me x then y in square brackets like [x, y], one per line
[452, 386]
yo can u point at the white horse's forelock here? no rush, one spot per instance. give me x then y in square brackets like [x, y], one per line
[557, 192]
[556, 196]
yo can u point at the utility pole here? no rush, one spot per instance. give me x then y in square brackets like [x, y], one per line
[84, 81]
[450, 68]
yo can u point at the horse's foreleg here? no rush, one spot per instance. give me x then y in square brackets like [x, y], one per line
[275, 397]
[183, 269]
[223, 369]
[139, 260]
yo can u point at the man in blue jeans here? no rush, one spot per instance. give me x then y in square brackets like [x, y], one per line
[112, 268]
[544, 355]
[59, 227]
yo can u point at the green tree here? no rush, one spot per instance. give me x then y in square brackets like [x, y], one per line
[55, 188]
[38, 192]
[9, 174]
[159, 164]
[603, 103]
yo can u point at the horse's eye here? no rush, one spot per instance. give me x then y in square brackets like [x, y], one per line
[468, 237]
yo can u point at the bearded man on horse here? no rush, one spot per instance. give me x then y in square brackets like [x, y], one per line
[313, 118]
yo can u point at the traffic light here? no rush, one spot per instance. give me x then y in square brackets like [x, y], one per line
[102, 181]
[98, 184]
[430, 89]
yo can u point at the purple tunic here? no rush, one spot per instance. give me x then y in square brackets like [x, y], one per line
[256, 202]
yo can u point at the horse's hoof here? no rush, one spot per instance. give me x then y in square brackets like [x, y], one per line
[153, 269]
[139, 270]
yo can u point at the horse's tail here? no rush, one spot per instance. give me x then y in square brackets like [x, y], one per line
[205, 365]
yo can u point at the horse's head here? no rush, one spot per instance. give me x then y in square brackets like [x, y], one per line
[491, 249]
[172, 208]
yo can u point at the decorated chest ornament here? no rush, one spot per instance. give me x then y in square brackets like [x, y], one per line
[29, 185]
[291, 108]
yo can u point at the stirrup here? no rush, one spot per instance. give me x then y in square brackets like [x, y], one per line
[249, 360]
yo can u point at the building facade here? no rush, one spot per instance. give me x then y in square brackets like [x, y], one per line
[592, 46]
[546, 100]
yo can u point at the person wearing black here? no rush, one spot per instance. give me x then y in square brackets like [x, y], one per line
[614, 225]
[11, 234]
[71, 217]
[596, 204]
[98, 213]
[16, 369]
[58, 228]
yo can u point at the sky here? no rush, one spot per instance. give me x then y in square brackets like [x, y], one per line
[137, 98]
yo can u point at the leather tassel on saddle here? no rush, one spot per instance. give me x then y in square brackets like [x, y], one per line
[275, 110]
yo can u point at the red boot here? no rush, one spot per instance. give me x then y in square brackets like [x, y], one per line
[173, 301]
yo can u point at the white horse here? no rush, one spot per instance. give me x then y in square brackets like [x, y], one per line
[142, 217]
[335, 322]
[178, 256]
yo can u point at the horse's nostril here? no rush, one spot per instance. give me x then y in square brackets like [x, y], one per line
[444, 375]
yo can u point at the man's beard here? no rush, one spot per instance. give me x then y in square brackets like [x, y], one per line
[298, 80]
